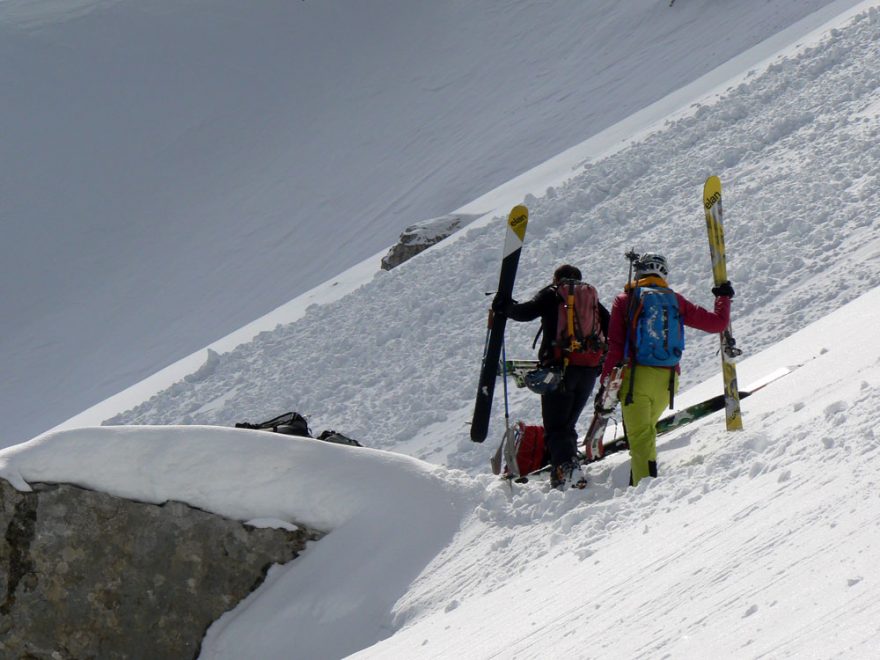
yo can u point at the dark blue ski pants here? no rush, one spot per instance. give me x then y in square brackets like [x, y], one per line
[561, 409]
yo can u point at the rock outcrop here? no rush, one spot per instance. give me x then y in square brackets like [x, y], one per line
[420, 236]
[84, 574]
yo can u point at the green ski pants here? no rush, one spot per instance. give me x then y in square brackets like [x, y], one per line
[650, 398]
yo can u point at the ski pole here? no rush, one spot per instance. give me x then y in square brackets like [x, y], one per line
[504, 383]
[509, 452]
[633, 256]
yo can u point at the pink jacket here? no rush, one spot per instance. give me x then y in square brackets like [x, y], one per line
[693, 315]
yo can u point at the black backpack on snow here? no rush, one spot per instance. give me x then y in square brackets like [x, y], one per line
[336, 437]
[291, 423]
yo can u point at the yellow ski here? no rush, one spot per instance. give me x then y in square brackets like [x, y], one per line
[729, 351]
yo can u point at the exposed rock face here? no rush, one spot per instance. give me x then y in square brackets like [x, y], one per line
[84, 574]
[420, 236]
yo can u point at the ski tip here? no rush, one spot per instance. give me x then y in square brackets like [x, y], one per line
[517, 220]
[711, 191]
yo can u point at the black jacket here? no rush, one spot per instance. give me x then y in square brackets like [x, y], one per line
[546, 305]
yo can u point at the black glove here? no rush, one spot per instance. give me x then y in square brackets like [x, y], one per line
[723, 289]
[501, 305]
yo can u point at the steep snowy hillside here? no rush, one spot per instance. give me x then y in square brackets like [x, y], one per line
[173, 170]
[750, 544]
[747, 546]
[394, 364]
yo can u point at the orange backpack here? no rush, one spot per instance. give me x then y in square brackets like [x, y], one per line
[579, 339]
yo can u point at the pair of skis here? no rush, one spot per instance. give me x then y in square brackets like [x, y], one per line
[686, 416]
[729, 351]
[674, 421]
[517, 221]
[606, 402]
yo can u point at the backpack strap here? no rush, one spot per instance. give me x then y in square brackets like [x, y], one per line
[631, 312]
[573, 343]
[575, 331]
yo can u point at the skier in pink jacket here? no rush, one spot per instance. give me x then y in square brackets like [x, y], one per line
[648, 386]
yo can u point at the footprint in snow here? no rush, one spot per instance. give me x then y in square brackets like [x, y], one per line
[749, 612]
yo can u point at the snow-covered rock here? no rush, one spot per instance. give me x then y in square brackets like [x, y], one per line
[422, 235]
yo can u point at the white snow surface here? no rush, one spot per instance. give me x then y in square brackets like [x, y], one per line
[350, 580]
[747, 546]
[753, 544]
[173, 170]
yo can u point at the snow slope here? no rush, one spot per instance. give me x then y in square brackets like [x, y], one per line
[172, 171]
[747, 546]
[752, 544]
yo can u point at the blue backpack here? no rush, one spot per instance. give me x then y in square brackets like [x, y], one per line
[656, 328]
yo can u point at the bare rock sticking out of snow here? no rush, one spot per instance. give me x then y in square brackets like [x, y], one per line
[422, 235]
[92, 573]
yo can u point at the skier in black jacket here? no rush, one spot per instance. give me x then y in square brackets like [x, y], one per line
[561, 407]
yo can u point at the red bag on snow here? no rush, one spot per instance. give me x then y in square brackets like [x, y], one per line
[531, 454]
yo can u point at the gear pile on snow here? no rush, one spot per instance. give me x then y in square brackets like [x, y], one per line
[292, 423]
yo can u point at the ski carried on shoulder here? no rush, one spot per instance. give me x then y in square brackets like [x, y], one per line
[517, 221]
[729, 351]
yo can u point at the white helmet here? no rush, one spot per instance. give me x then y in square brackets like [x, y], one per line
[652, 264]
